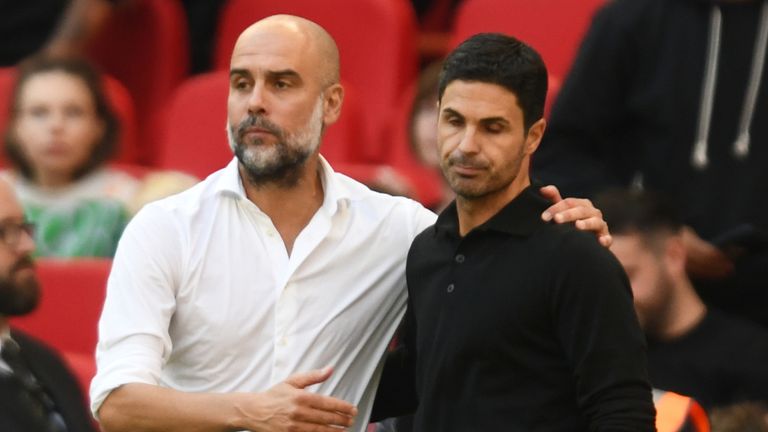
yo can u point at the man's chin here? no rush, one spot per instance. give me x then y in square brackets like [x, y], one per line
[23, 301]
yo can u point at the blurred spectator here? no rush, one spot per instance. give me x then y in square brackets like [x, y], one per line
[715, 358]
[60, 134]
[670, 95]
[37, 391]
[51, 27]
[742, 417]
[422, 125]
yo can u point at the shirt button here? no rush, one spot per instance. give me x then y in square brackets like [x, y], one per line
[451, 288]
[460, 258]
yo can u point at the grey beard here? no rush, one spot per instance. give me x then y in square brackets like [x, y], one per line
[284, 174]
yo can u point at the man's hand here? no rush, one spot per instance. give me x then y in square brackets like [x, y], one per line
[288, 407]
[578, 210]
[703, 259]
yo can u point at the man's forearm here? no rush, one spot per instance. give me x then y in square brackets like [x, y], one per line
[286, 406]
[144, 407]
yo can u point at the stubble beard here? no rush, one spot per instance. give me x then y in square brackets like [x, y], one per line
[478, 188]
[279, 164]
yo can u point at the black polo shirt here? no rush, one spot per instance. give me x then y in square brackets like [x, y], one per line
[519, 326]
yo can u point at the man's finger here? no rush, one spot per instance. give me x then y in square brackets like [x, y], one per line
[306, 379]
[329, 404]
[321, 417]
[551, 193]
[577, 213]
[566, 205]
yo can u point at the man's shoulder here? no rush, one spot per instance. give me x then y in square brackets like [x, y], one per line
[566, 250]
[36, 349]
[565, 239]
[190, 199]
[735, 330]
[398, 209]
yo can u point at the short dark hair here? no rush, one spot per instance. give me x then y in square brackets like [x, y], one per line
[78, 68]
[633, 211]
[499, 59]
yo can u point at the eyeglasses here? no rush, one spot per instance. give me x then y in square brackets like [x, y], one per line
[10, 232]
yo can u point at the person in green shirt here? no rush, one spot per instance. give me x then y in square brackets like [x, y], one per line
[60, 135]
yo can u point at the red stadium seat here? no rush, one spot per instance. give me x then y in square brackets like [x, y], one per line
[145, 46]
[119, 98]
[376, 39]
[553, 27]
[73, 293]
[7, 78]
[195, 140]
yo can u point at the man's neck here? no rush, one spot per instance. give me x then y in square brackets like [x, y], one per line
[289, 207]
[685, 313]
[475, 212]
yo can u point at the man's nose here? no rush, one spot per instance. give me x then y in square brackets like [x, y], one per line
[26, 243]
[257, 103]
[469, 141]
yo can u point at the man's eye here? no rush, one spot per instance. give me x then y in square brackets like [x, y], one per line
[282, 84]
[241, 85]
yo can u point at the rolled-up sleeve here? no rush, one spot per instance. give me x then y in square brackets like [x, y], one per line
[134, 341]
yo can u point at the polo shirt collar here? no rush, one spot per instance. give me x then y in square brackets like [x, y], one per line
[335, 193]
[520, 217]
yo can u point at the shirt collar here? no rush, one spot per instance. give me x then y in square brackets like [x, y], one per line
[520, 217]
[335, 193]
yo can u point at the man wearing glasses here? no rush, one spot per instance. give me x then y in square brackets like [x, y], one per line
[37, 392]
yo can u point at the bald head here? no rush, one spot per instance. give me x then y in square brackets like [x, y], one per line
[301, 34]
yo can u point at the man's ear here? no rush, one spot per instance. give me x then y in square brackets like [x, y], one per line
[333, 99]
[535, 133]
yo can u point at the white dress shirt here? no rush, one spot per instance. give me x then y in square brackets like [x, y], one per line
[203, 296]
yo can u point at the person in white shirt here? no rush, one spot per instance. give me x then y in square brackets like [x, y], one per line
[264, 297]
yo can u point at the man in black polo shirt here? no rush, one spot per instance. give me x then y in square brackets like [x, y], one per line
[512, 323]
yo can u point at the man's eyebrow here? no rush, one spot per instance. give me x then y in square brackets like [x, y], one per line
[239, 72]
[451, 111]
[495, 120]
[285, 73]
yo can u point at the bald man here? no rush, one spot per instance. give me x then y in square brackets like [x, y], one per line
[221, 296]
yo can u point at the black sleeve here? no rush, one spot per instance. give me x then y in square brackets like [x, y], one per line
[583, 150]
[597, 327]
[396, 395]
